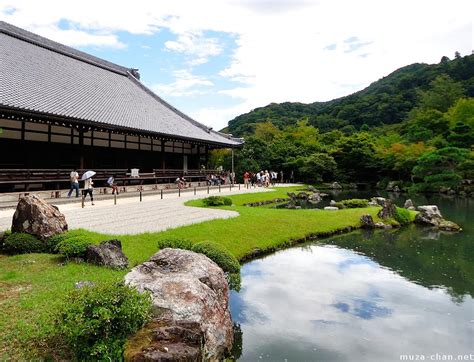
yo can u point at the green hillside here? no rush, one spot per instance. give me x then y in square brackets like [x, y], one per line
[386, 101]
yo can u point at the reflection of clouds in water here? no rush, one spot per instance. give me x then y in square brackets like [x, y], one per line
[336, 300]
[365, 309]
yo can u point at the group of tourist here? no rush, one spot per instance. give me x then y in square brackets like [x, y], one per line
[223, 178]
[88, 185]
[262, 178]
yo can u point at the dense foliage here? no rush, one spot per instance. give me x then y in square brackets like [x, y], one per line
[352, 203]
[20, 243]
[73, 246]
[95, 321]
[217, 201]
[415, 126]
[403, 216]
[218, 254]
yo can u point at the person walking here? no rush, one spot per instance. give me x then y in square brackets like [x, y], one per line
[246, 178]
[259, 178]
[88, 187]
[113, 185]
[267, 178]
[74, 176]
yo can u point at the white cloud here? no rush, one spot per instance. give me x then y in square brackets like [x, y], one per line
[218, 117]
[281, 49]
[196, 46]
[78, 38]
[184, 84]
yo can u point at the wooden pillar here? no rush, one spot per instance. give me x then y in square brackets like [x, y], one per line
[81, 149]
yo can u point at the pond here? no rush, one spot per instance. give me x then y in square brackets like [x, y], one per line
[372, 296]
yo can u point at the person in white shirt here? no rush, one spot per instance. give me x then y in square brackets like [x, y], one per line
[88, 189]
[74, 176]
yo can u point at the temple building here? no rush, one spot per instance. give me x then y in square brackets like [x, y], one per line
[63, 109]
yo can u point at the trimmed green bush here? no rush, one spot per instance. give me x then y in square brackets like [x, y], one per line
[403, 216]
[217, 201]
[73, 246]
[352, 203]
[175, 244]
[21, 243]
[218, 254]
[96, 321]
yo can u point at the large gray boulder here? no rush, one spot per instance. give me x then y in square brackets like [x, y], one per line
[109, 253]
[431, 211]
[430, 215]
[315, 198]
[188, 288]
[35, 216]
[389, 210]
[408, 204]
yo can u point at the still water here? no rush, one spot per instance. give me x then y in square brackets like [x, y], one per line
[364, 296]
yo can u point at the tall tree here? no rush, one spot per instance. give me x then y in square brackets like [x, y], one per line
[443, 93]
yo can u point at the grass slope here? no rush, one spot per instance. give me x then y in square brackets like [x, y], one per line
[32, 286]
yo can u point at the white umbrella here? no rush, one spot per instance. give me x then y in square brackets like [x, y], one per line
[87, 174]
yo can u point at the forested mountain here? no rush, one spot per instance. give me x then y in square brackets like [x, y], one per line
[386, 101]
[415, 126]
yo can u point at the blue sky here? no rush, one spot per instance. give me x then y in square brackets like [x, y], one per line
[216, 59]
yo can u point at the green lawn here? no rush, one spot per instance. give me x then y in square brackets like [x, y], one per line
[33, 285]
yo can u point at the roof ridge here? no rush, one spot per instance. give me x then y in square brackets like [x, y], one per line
[54, 46]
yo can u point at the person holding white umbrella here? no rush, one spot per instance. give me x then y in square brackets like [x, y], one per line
[88, 184]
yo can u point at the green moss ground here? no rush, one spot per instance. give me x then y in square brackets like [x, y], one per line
[32, 286]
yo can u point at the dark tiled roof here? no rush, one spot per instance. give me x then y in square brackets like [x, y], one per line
[42, 76]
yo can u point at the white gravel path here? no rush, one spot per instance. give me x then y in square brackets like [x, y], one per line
[130, 216]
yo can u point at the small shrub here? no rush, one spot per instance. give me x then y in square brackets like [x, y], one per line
[73, 246]
[175, 243]
[352, 203]
[20, 243]
[54, 240]
[234, 281]
[95, 321]
[220, 255]
[403, 216]
[217, 201]
[2, 239]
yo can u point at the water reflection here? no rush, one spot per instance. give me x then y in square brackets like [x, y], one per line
[323, 302]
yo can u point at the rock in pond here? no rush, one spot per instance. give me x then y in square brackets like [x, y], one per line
[381, 225]
[187, 289]
[430, 211]
[367, 221]
[447, 225]
[430, 215]
[108, 253]
[35, 216]
[388, 210]
[408, 204]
